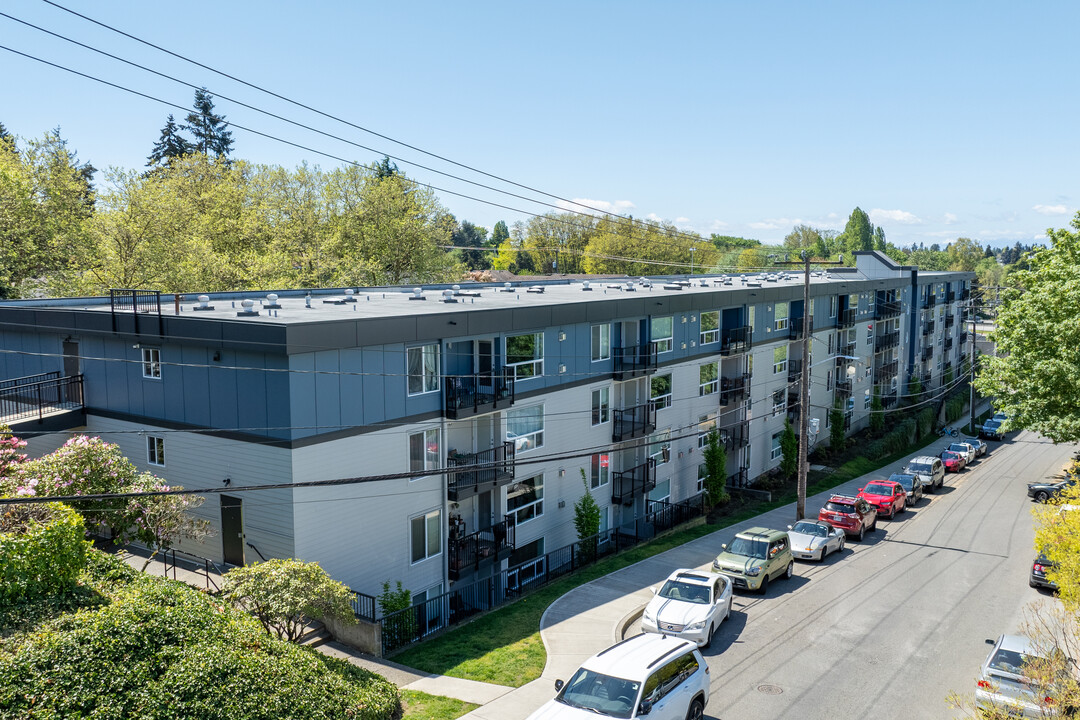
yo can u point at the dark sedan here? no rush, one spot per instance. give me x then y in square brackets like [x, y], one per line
[1043, 491]
[1039, 569]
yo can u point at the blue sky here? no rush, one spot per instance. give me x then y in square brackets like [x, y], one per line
[940, 119]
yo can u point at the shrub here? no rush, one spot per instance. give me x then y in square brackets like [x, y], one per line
[42, 550]
[954, 408]
[924, 421]
[587, 522]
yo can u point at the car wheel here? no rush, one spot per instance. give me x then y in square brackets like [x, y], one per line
[708, 638]
[1042, 496]
[696, 711]
[821, 555]
[790, 570]
[840, 548]
[1032, 583]
[873, 525]
[862, 532]
[764, 584]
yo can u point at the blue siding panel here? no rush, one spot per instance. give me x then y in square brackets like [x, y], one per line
[374, 394]
[251, 389]
[352, 387]
[277, 396]
[302, 395]
[223, 396]
[196, 403]
[327, 389]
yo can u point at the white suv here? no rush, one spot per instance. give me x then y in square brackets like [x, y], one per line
[929, 469]
[690, 605]
[657, 676]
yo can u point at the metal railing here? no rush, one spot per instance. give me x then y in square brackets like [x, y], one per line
[929, 301]
[478, 393]
[173, 559]
[794, 370]
[734, 389]
[634, 361]
[795, 328]
[136, 302]
[886, 371]
[633, 422]
[740, 478]
[948, 344]
[638, 480]
[735, 340]
[927, 352]
[884, 309]
[950, 319]
[467, 554]
[37, 399]
[363, 606]
[483, 470]
[29, 379]
[845, 318]
[887, 341]
[843, 388]
[736, 436]
[928, 327]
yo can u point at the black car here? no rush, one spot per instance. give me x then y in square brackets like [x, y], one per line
[1042, 491]
[1038, 573]
[912, 486]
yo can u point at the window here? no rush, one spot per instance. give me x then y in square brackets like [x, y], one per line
[525, 500]
[601, 469]
[155, 450]
[750, 364]
[776, 449]
[832, 306]
[601, 342]
[151, 363]
[866, 399]
[426, 534]
[660, 332]
[661, 391]
[779, 402]
[660, 446]
[779, 359]
[525, 427]
[830, 343]
[706, 425]
[424, 452]
[828, 380]
[750, 316]
[423, 367]
[702, 474]
[710, 327]
[708, 378]
[525, 355]
[870, 334]
[780, 316]
[600, 410]
[661, 493]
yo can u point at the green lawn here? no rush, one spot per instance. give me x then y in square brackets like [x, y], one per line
[421, 706]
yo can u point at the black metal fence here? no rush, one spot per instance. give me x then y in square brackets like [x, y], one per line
[633, 422]
[363, 605]
[22, 398]
[434, 615]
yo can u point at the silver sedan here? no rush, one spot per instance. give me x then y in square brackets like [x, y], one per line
[814, 539]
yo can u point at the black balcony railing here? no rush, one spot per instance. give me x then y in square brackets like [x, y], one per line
[140, 303]
[628, 484]
[794, 370]
[846, 318]
[735, 340]
[950, 296]
[885, 309]
[886, 371]
[929, 301]
[887, 341]
[31, 397]
[795, 328]
[963, 337]
[843, 388]
[479, 393]
[480, 471]
[735, 437]
[965, 294]
[634, 361]
[888, 399]
[950, 320]
[948, 344]
[928, 327]
[480, 549]
[927, 352]
[734, 389]
[633, 422]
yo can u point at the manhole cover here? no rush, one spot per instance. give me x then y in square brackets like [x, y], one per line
[770, 689]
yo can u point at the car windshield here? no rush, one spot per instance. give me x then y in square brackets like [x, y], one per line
[839, 507]
[750, 548]
[1009, 661]
[877, 489]
[906, 481]
[949, 455]
[810, 528]
[603, 694]
[958, 448]
[678, 590]
[920, 468]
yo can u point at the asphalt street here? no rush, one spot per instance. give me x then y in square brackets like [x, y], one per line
[890, 627]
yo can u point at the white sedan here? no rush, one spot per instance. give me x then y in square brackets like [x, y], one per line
[814, 539]
[690, 605]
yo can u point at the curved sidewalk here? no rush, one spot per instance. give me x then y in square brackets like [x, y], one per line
[592, 616]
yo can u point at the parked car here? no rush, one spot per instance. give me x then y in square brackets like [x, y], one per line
[930, 470]
[814, 539]
[965, 449]
[647, 675]
[1044, 491]
[1004, 686]
[851, 514]
[690, 605]
[912, 485]
[979, 445]
[991, 429]
[888, 497]
[1038, 573]
[755, 557]
[953, 461]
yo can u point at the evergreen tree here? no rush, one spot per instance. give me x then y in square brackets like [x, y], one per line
[500, 234]
[879, 238]
[211, 133]
[587, 522]
[468, 235]
[6, 136]
[836, 428]
[715, 469]
[877, 415]
[789, 449]
[171, 145]
[384, 168]
[859, 231]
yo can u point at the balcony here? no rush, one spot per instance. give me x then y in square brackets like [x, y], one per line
[847, 419]
[734, 389]
[948, 344]
[928, 327]
[628, 484]
[888, 399]
[478, 394]
[471, 553]
[929, 301]
[963, 337]
[795, 329]
[885, 309]
[965, 294]
[634, 361]
[946, 368]
[950, 320]
[633, 422]
[846, 318]
[735, 340]
[45, 399]
[843, 388]
[481, 471]
[794, 370]
[927, 353]
[950, 296]
[735, 437]
[886, 371]
[887, 341]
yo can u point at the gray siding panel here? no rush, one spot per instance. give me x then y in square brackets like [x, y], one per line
[327, 389]
[373, 396]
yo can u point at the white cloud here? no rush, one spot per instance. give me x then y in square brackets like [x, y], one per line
[898, 216]
[682, 221]
[717, 225]
[764, 225]
[1051, 209]
[653, 217]
[950, 218]
[600, 206]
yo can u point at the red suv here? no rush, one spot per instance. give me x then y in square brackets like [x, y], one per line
[851, 514]
[888, 496]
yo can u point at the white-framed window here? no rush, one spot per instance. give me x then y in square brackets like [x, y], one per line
[779, 402]
[601, 342]
[708, 378]
[151, 363]
[779, 359]
[751, 313]
[424, 451]
[780, 315]
[702, 473]
[601, 411]
[425, 533]
[525, 355]
[155, 450]
[660, 446]
[870, 334]
[705, 426]
[661, 493]
[853, 302]
[750, 364]
[832, 305]
[828, 380]
[776, 451]
[661, 333]
[422, 364]
[866, 399]
[525, 427]
[710, 327]
[601, 470]
[661, 390]
[525, 499]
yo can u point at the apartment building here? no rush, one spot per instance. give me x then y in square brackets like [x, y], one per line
[491, 407]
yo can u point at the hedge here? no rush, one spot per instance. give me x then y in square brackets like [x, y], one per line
[163, 651]
[42, 550]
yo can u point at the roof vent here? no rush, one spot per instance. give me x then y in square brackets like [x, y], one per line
[204, 303]
[615, 286]
[448, 296]
[673, 286]
[349, 295]
[249, 308]
[271, 302]
[507, 287]
[586, 286]
[418, 294]
[538, 289]
[645, 282]
[456, 289]
[630, 286]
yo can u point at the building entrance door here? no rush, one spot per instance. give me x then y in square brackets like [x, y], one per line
[232, 530]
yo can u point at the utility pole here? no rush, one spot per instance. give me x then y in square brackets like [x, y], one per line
[692, 249]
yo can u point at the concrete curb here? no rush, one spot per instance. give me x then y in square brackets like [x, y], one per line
[627, 620]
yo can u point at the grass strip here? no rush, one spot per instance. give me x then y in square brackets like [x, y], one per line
[421, 706]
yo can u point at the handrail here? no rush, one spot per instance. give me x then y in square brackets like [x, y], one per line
[36, 398]
[256, 551]
[29, 379]
[633, 421]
